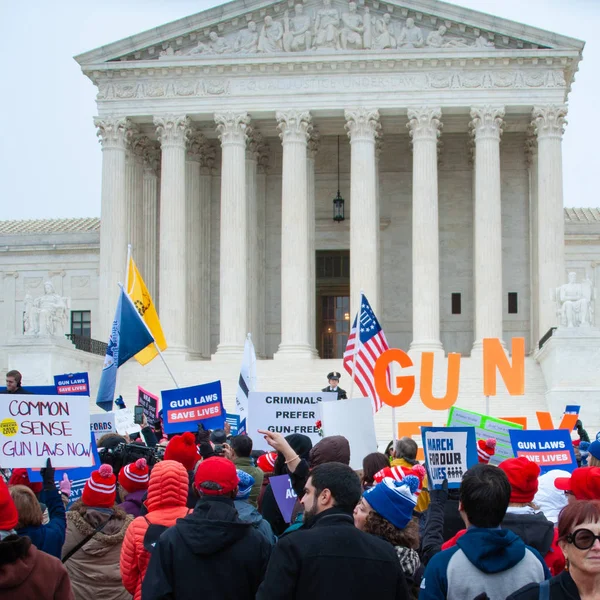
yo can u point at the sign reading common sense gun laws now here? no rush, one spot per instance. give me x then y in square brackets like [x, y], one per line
[285, 413]
[34, 428]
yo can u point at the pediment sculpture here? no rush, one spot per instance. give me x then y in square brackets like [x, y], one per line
[47, 314]
[575, 303]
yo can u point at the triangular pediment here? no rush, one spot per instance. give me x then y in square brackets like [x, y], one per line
[407, 27]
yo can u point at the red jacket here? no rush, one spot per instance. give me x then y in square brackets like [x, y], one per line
[166, 502]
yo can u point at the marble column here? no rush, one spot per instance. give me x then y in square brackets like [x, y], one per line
[233, 318]
[295, 127]
[114, 134]
[150, 215]
[424, 125]
[549, 122]
[259, 338]
[532, 163]
[134, 197]
[363, 127]
[173, 132]
[487, 128]
[252, 143]
[312, 150]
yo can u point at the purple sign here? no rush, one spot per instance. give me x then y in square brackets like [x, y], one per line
[284, 495]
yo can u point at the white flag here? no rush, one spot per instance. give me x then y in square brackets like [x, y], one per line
[247, 381]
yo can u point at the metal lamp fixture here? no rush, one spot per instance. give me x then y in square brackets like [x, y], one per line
[338, 201]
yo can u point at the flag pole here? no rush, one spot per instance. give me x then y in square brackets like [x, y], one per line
[357, 345]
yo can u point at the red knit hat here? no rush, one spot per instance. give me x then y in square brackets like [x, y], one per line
[266, 462]
[523, 478]
[21, 477]
[8, 511]
[183, 449]
[100, 489]
[216, 470]
[485, 450]
[135, 476]
[399, 473]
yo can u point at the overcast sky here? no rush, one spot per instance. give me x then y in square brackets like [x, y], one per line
[50, 159]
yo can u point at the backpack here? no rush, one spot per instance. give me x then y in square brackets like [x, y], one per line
[154, 532]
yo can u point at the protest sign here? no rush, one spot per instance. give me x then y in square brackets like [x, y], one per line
[102, 423]
[285, 496]
[550, 449]
[353, 419]
[572, 409]
[34, 428]
[237, 425]
[449, 452]
[285, 413]
[150, 403]
[185, 408]
[485, 428]
[124, 422]
[72, 383]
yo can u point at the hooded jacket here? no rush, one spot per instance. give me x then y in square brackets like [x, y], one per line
[166, 502]
[94, 568]
[132, 503]
[491, 561]
[209, 554]
[248, 514]
[26, 572]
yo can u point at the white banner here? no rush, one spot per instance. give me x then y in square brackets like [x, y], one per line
[102, 423]
[34, 428]
[124, 422]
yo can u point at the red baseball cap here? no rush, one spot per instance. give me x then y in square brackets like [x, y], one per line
[217, 470]
[584, 483]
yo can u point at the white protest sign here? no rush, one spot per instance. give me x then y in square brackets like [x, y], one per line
[34, 428]
[353, 419]
[285, 413]
[124, 423]
[102, 423]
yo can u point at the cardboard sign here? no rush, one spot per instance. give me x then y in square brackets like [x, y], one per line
[35, 428]
[549, 449]
[237, 425]
[150, 403]
[184, 408]
[102, 423]
[124, 422]
[285, 413]
[353, 419]
[285, 496]
[485, 428]
[72, 383]
[449, 452]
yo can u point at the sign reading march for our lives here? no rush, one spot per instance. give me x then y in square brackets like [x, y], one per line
[185, 408]
[34, 428]
[449, 452]
[150, 404]
[72, 383]
[549, 448]
[486, 428]
[285, 413]
[285, 496]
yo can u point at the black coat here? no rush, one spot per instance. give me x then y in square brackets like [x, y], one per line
[208, 554]
[535, 530]
[562, 587]
[329, 559]
[340, 392]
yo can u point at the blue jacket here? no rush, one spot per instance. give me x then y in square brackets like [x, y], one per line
[494, 561]
[51, 537]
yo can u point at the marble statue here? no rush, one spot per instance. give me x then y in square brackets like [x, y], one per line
[327, 23]
[410, 36]
[297, 31]
[247, 40]
[352, 28]
[438, 39]
[383, 34]
[575, 302]
[483, 42]
[270, 36]
[46, 314]
[215, 45]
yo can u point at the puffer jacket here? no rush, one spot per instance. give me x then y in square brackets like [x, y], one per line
[94, 568]
[166, 502]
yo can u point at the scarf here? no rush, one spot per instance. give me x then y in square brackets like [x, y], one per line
[409, 560]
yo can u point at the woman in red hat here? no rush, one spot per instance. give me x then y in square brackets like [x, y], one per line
[95, 532]
[133, 485]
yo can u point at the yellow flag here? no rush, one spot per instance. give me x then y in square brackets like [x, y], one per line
[137, 291]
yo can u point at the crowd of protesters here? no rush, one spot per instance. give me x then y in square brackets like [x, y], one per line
[198, 517]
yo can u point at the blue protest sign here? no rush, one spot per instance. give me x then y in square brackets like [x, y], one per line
[234, 423]
[572, 409]
[185, 408]
[549, 448]
[449, 452]
[284, 495]
[72, 383]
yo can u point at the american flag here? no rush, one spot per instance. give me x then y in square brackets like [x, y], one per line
[367, 347]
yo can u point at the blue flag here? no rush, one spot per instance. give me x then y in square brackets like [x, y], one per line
[129, 335]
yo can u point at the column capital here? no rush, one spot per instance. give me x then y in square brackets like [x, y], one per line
[196, 146]
[379, 143]
[294, 125]
[172, 130]
[549, 121]
[253, 144]
[114, 132]
[264, 151]
[151, 155]
[530, 146]
[232, 128]
[314, 141]
[487, 122]
[424, 123]
[362, 124]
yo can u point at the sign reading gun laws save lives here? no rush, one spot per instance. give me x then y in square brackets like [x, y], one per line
[34, 428]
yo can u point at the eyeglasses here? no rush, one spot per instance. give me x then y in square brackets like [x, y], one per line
[583, 539]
